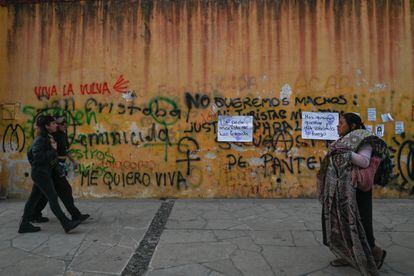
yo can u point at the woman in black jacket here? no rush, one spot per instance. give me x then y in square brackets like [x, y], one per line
[62, 186]
[42, 156]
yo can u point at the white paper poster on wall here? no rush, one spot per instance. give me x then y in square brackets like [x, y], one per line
[320, 125]
[235, 129]
[386, 117]
[399, 127]
[379, 130]
[372, 114]
[369, 128]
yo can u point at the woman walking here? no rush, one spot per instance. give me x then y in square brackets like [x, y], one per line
[62, 186]
[42, 156]
[345, 183]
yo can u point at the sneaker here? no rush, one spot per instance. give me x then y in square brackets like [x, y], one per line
[82, 217]
[28, 228]
[70, 225]
[39, 220]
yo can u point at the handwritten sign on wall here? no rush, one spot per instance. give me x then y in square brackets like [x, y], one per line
[320, 125]
[235, 129]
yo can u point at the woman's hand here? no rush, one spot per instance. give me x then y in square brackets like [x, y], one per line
[53, 143]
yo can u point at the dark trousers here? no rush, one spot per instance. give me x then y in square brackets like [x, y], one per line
[364, 200]
[43, 187]
[64, 191]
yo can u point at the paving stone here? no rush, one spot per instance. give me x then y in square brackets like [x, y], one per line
[30, 241]
[11, 256]
[304, 238]
[400, 258]
[106, 235]
[127, 241]
[272, 238]
[383, 239]
[251, 263]
[215, 273]
[245, 243]
[262, 224]
[224, 224]
[315, 225]
[4, 244]
[9, 233]
[36, 265]
[403, 238]
[187, 236]
[178, 254]
[132, 232]
[335, 271]
[60, 245]
[74, 273]
[191, 269]
[115, 225]
[179, 213]
[202, 237]
[229, 234]
[105, 259]
[197, 223]
[245, 213]
[240, 227]
[224, 215]
[225, 267]
[318, 235]
[296, 260]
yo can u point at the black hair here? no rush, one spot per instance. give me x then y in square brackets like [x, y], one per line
[43, 121]
[353, 119]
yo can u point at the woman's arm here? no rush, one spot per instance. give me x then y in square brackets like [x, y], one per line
[362, 157]
[42, 154]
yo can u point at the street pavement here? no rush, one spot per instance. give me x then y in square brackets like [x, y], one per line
[200, 237]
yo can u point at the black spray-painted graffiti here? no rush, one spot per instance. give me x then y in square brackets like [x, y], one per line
[14, 138]
[406, 167]
[134, 178]
[188, 146]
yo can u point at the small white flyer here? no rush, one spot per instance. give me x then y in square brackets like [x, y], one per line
[369, 128]
[379, 130]
[372, 114]
[235, 129]
[386, 117]
[320, 125]
[399, 127]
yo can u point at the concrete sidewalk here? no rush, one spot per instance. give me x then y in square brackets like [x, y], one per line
[201, 237]
[101, 245]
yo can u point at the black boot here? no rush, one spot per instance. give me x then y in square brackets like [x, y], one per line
[81, 217]
[40, 219]
[27, 227]
[69, 225]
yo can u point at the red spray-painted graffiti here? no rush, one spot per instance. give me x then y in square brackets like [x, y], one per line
[93, 88]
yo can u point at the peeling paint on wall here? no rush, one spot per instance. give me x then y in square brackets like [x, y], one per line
[142, 83]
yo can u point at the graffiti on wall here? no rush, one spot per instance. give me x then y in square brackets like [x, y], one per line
[14, 138]
[169, 143]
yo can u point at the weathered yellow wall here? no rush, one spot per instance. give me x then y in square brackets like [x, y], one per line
[188, 61]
